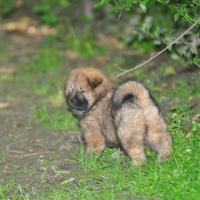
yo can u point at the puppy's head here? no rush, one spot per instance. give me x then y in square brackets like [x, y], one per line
[83, 88]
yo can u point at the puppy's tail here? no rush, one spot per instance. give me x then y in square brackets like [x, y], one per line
[130, 91]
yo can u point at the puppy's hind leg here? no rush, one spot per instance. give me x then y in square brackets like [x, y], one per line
[160, 141]
[134, 147]
[130, 131]
[158, 137]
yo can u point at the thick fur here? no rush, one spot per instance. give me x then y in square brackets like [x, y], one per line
[123, 117]
[138, 121]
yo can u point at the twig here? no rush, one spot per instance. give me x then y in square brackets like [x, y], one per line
[10, 150]
[120, 15]
[198, 65]
[160, 52]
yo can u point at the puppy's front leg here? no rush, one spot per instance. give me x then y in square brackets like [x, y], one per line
[94, 141]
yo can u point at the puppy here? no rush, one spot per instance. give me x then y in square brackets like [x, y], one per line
[125, 117]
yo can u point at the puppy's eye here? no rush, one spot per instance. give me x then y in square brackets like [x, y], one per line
[83, 92]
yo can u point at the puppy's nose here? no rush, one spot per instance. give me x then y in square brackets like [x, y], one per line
[76, 97]
[72, 99]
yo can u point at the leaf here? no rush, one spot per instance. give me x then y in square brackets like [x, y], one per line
[143, 6]
[169, 71]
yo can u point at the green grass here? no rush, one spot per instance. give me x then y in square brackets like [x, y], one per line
[56, 118]
[46, 59]
[144, 47]
[84, 44]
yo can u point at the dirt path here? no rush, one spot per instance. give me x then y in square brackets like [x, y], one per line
[28, 153]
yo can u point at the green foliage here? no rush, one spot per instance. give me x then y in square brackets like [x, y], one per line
[140, 45]
[127, 5]
[83, 43]
[196, 60]
[7, 6]
[47, 10]
[187, 9]
[158, 28]
[119, 5]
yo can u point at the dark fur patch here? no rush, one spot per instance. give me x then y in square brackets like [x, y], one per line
[128, 98]
[118, 102]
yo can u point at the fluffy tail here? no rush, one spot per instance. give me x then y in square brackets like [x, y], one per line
[130, 91]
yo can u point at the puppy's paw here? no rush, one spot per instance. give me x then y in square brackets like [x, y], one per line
[94, 149]
[137, 162]
[163, 157]
[164, 152]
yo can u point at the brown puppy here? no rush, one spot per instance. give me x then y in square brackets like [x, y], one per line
[115, 118]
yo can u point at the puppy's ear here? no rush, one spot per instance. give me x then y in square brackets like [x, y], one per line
[94, 81]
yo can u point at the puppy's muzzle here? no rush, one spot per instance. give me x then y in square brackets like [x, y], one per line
[77, 101]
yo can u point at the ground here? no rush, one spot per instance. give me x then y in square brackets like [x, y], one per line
[41, 155]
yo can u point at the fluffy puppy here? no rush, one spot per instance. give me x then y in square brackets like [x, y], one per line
[125, 117]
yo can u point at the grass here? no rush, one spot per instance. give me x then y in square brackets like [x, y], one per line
[111, 175]
[84, 44]
[56, 118]
[46, 59]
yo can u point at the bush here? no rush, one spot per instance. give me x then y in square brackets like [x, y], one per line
[189, 9]
[7, 7]
[49, 10]
[159, 22]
